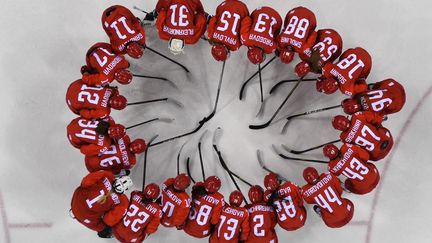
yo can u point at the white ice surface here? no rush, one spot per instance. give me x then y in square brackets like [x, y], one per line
[43, 43]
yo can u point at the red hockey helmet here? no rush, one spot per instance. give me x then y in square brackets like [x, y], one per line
[302, 69]
[271, 182]
[310, 175]
[117, 131]
[256, 194]
[220, 52]
[151, 191]
[134, 50]
[350, 106]
[123, 76]
[137, 146]
[256, 55]
[118, 102]
[236, 198]
[340, 123]
[181, 182]
[212, 184]
[286, 56]
[330, 151]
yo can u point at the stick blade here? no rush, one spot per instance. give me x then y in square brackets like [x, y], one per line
[290, 150]
[262, 109]
[202, 136]
[167, 120]
[176, 102]
[258, 127]
[276, 86]
[217, 135]
[285, 127]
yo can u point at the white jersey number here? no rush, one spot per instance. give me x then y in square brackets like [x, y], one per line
[182, 15]
[84, 95]
[363, 142]
[258, 221]
[116, 28]
[348, 62]
[224, 20]
[380, 104]
[356, 170]
[231, 227]
[260, 25]
[296, 26]
[134, 210]
[330, 51]
[329, 197]
[288, 207]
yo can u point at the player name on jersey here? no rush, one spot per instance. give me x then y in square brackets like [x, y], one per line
[319, 185]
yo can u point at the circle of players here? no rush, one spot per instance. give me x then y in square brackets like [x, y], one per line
[100, 203]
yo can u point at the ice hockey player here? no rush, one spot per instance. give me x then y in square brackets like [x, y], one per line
[298, 34]
[223, 29]
[384, 97]
[351, 161]
[287, 201]
[103, 66]
[92, 136]
[143, 216]
[99, 202]
[262, 218]
[206, 207]
[175, 202]
[365, 130]
[233, 225]
[93, 102]
[259, 31]
[124, 30]
[180, 22]
[325, 192]
[328, 47]
[119, 158]
[348, 74]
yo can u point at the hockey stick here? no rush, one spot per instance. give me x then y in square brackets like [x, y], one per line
[309, 149]
[141, 10]
[255, 127]
[200, 154]
[168, 120]
[307, 113]
[188, 170]
[145, 161]
[276, 86]
[223, 162]
[260, 82]
[164, 56]
[261, 163]
[255, 74]
[175, 102]
[299, 159]
[158, 78]
[178, 158]
[201, 124]
[217, 95]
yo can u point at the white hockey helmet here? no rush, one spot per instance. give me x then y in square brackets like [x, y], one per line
[122, 184]
[176, 46]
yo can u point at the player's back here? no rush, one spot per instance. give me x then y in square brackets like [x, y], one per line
[102, 59]
[291, 214]
[267, 21]
[262, 220]
[114, 159]
[175, 206]
[363, 133]
[363, 176]
[353, 67]
[201, 214]
[82, 96]
[326, 193]
[82, 131]
[93, 201]
[232, 7]
[299, 24]
[139, 216]
[386, 97]
[230, 224]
